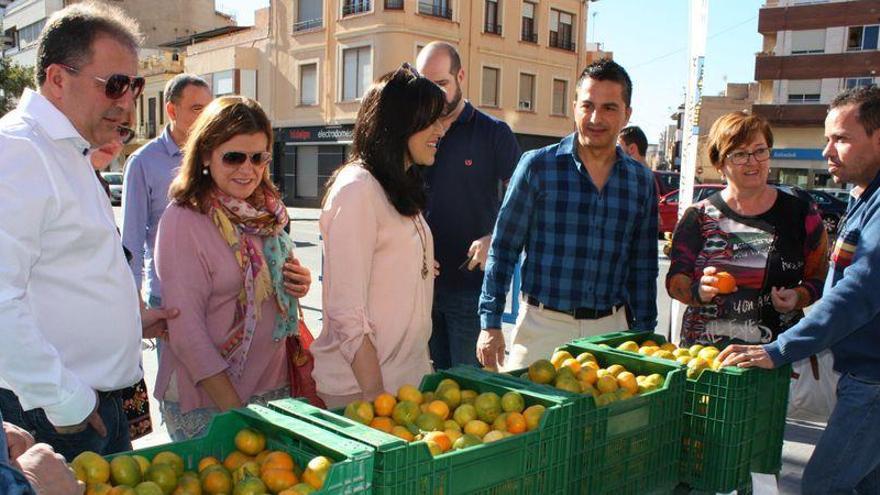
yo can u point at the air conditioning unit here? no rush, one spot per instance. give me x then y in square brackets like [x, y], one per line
[525, 105]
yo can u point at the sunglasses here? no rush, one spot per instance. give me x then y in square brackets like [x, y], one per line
[117, 85]
[237, 158]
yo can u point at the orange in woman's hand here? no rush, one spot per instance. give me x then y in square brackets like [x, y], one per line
[726, 284]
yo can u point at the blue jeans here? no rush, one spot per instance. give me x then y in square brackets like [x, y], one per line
[847, 457]
[71, 445]
[456, 326]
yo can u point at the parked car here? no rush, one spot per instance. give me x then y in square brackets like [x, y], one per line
[667, 208]
[115, 181]
[832, 208]
[841, 194]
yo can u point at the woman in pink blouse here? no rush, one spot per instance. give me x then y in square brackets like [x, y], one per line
[378, 250]
[225, 261]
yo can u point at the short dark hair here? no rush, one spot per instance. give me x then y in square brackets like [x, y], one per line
[69, 34]
[175, 86]
[398, 105]
[606, 69]
[867, 98]
[634, 134]
[451, 52]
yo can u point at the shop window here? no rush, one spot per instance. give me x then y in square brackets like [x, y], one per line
[490, 86]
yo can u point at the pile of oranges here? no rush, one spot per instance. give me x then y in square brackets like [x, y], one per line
[447, 418]
[584, 375]
[251, 469]
[696, 357]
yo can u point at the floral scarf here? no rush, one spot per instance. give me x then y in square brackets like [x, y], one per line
[262, 215]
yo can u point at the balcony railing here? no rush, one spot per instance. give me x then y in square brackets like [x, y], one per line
[493, 28]
[308, 25]
[393, 4]
[356, 7]
[562, 42]
[435, 9]
[529, 35]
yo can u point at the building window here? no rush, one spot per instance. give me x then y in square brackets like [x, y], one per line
[493, 25]
[161, 109]
[308, 84]
[528, 23]
[357, 72]
[28, 35]
[248, 83]
[490, 86]
[858, 82]
[151, 118]
[810, 41]
[526, 92]
[309, 15]
[436, 8]
[351, 7]
[804, 91]
[393, 4]
[224, 83]
[862, 38]
[561, 30]
[560, 97]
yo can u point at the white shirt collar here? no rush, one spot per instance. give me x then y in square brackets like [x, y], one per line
[46, 115]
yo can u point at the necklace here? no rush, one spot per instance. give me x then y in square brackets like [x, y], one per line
[424, 249]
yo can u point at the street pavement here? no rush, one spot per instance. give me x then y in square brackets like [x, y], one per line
[800, 437]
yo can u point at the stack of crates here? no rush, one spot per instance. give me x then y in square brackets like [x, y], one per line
[528, 463]
[734, 421]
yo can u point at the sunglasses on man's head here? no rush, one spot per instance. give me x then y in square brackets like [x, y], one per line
[237, 158]
[117, 85]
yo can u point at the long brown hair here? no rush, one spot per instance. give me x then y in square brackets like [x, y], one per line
[220, 121]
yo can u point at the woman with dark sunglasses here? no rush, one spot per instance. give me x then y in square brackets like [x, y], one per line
[378, 250]
[223, 258]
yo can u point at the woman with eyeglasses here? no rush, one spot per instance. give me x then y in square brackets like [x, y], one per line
[773, 244]
[378, 250]
[221, 254]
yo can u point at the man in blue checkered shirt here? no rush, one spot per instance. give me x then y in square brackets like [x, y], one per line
[586, 216]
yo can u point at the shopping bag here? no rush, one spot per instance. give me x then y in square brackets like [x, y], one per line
[813, 390]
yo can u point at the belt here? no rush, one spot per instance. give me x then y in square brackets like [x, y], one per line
[576, 313]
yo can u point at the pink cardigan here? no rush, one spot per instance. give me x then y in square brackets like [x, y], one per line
[373, 287]
[201, 278]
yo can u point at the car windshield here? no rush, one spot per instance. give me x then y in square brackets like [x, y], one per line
[113, 179]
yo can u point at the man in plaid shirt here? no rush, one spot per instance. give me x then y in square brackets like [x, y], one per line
[586, 216]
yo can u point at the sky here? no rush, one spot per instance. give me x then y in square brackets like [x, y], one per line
[650, 39]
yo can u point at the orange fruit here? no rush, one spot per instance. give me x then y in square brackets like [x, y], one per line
[533, 415]
[559, 357]
[93, 467]
[360, 411]
[316, 471]
[516, 422]
[627, 381]
[98, 489]
[384, 405]
[124, 470]
[121, 490]
[726, 283]
[261, 457]
[607, 383]
[298, 489]
[148, 488]
[250, 441]
[588, 375]
[477, 428]
[410, 393]
[278, 460]
[382, 423]
[615, 369]
[402, 432]
[235, 459]
[250, 469]
[572, 364]
[216, 480]
[250, 486]
[163, 475]
[207, 461]
[439, 408]
[542, 371]
[188, 484]
[441, 439]
[405, 412]
[170, 458]
[277, 480]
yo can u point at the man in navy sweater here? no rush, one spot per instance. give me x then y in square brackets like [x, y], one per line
[847, 318]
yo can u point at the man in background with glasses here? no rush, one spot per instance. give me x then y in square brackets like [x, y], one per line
[68, 303]
[148, 174]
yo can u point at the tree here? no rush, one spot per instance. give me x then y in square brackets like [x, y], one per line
[13, 79]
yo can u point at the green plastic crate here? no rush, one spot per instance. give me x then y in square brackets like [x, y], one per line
[627, 447]
[734, 421]
[529, 463]
[352, 468]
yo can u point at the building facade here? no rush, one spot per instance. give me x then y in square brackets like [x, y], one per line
[309, 62]
[812, 50]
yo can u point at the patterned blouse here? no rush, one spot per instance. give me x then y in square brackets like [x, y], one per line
[785, 246]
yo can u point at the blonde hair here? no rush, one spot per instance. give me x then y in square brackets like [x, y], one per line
[223, 119]
[733, 130]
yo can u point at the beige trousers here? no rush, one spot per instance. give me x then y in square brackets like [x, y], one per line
[538, 332]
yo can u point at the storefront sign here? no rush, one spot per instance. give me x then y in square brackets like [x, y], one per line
[797, 154]
[316, 134]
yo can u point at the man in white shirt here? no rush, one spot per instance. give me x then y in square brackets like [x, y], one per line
[69, 309]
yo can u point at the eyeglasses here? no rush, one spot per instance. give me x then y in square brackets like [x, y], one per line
[117, 85]
[237, 158]
[742, 157]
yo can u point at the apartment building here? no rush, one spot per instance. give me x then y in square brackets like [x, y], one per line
[309, 62]
[812, 50]
[161, 21]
